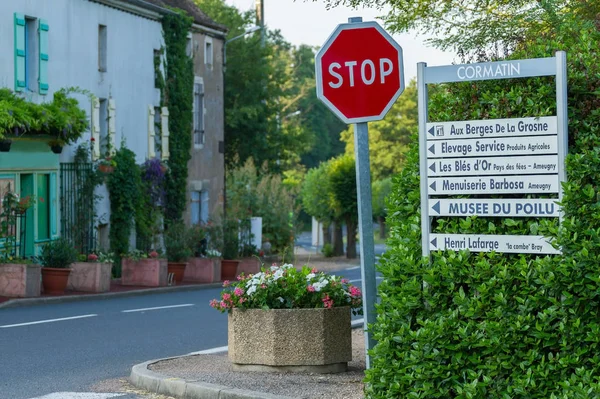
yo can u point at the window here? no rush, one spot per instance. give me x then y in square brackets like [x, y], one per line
[102, 48]
[199, 207]
[157, 133]
[198, 112]
[189, 46]
[31, 51]
[104, 144]
[208, 52]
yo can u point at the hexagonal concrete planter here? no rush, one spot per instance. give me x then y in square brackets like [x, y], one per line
[20, 280]
[305, 340]
[90, 277]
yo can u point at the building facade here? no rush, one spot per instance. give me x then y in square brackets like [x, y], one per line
[107, 50]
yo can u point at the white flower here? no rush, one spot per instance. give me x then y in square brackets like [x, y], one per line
[287, 266]
[273, 268]
[319, 285]
[281, 299]
[251, 290]
[278, 274]
[309, 276]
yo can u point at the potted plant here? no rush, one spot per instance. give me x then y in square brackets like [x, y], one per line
[56, 259]
[177, 249]
[56, 145]
[231, 249]
[286, 309]
[91, 273]
[106, 165]
[143, 269]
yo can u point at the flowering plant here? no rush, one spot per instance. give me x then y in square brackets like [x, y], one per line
[286, 287]
[213, 253]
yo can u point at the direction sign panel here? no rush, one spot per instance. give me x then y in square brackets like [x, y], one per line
[496, 146]
[489, 243]
[494, 185]
[522, 207]
[359, 72]
[522, 165]
[545, 125]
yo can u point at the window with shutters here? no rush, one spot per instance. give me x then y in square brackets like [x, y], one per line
[31, 52]
[104, 142]
[208, 52]
[198, 113]
[199, 207]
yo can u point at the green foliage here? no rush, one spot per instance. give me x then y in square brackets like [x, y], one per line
[497, 326]
[381, 189]
[253, 192]
[124, 190]
[316, 194]
[327, 250]
[342, 177]
[178, 97]
[389, 138]
[58, 254]
[177, 243]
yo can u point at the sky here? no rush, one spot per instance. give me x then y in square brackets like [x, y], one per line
[308, 22]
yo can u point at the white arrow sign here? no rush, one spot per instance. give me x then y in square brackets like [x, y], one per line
[488, 243]
[493, 185]
[494, 207]
[524, 165]
[499, 146]
[545, 125]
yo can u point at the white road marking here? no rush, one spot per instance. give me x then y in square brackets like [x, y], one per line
[354, 268]
[157, 308]
[48, 321]
[223, 349]
[360, 279]
[79, 395]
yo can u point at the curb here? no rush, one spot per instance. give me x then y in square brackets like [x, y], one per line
[23, 302]
[142, 377]
[153, 382]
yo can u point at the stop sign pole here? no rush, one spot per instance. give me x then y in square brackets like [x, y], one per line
[359, 75]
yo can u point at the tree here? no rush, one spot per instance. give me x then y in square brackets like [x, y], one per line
[475, 26]
[342, 175]
[389, 138]
[316, 198]
[380, 192]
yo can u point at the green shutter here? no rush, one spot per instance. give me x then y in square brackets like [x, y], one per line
[43, 77]
[20, 56]
[53, 207]
[43, 207]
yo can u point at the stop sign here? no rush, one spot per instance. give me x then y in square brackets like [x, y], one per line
[359, 72]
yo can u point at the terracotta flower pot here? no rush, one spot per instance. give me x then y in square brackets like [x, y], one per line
[106, 168]
[55, 280]
[229, 269]
[178, 270]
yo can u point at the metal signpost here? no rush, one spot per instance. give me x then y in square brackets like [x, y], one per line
[360, 75]
[492, 156]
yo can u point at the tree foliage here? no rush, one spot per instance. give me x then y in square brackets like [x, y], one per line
[389, 138]
[317, 193]
[475, 26]
[342, 177]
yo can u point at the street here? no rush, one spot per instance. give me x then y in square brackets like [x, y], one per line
[72, 347]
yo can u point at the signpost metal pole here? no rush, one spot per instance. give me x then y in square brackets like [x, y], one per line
[562, 117]
[365, 227]
[422, 108]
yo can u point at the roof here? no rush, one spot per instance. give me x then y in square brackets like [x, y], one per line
[186, 5]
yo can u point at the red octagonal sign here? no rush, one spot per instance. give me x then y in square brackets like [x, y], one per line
[359, 72]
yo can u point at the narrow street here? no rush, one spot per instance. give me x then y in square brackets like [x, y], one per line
[90, 346]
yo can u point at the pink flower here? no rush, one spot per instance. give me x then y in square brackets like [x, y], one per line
[310, 288]
[214, 303]
[238, 291]
[355, 291]
[153, 254]
[242, 300]
[223, 305]
[92, 257]
[227, 297]
[226, 283]
[327, 302]
[313, 270]
[345, 281]
[240, 277]
[263, 286]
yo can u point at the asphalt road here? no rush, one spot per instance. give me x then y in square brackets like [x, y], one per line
[70, 347]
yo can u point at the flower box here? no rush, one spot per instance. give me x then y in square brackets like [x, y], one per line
[144, 272]
[249, 266]
[90, 277]
[310, 340]
[20, 280]
[203, 270]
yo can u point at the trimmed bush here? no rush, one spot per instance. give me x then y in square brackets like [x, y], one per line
[475, 325]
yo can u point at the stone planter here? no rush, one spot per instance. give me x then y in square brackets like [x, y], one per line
[20, 280]
[249, 266]
[90, 277]
[203, 270]
[305, 340]
[144, 272]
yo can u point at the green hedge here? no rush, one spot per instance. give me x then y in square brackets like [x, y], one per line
[470, 325]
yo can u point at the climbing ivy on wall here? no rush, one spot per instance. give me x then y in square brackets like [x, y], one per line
[178, 97]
